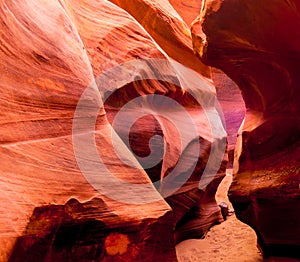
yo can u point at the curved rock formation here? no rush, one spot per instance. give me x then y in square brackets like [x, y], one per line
[177, 157]
[66, 203]
[167, 28]
[44, 70]
[195, 210]
[256, 43]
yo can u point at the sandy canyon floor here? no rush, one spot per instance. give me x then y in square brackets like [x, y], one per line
[228, 242]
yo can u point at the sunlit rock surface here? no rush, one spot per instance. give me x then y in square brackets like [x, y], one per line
[52, 55]
[256, 43]
[167, 28]
[44, 70]
[188, 10]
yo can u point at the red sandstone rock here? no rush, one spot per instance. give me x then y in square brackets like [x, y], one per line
[176, 154]
[166, 27]
[256, 43]
[188, 10]
[49, 54]
[44, 70]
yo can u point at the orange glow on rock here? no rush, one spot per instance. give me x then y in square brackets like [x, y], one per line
[116, 244]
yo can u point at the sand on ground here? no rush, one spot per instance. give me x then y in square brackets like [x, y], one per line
[230, 241]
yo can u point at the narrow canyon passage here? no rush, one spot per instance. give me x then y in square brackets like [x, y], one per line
[118, 134]
[232, 240]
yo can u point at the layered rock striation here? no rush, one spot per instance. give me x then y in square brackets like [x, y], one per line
[167, 28]
[45, 68]
[72, 187]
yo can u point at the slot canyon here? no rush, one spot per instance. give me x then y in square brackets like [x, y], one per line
[149, 130]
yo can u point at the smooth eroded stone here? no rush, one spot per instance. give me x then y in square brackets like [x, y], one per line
[55, 202]
[167, 28]
[166, 95]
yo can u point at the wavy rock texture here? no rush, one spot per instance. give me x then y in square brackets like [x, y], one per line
[195, 210]
[200, 206]
[167, 28]
[262, 56]
[44, 70]
[51, 53]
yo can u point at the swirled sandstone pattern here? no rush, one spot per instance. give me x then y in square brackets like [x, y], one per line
[50, 52]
